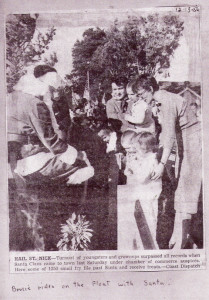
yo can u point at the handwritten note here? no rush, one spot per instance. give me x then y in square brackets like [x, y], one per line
[91, 284]
[188, 9]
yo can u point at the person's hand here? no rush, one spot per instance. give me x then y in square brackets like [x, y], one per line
[157, 171]
[81, 155]
[75, 178]
[81, 175]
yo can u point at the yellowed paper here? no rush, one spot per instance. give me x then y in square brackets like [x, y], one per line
[108, 273]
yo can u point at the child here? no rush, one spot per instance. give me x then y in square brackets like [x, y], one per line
[139, 113]
[141, 187]
[127, 142]
[110, 138]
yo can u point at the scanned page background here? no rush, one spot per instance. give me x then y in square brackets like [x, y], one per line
[177, 285]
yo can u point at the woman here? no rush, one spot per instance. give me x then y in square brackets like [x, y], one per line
[43, 154]
[178, 122]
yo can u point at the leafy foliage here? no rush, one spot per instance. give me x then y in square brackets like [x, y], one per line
[82, 54]
[21, 48]
[138, 45]
[76, 234]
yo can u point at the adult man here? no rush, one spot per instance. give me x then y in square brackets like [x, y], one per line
[117, 106]
[43, 154]
[178, 123]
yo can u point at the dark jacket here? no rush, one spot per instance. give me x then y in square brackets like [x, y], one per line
[29, 123]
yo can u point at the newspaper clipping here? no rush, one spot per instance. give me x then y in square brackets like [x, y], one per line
[105, 141]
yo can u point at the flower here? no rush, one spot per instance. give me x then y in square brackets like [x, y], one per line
[75, 234]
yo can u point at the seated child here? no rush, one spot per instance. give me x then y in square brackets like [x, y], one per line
[110, 138]
[114, 152]
[139, 113]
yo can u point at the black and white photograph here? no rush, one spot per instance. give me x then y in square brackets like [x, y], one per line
[104, 130]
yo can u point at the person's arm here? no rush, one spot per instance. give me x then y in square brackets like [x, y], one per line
[159, 169]
[168, 115]
[138, 114]
[120, 116]
[41, 122]
[110, 110]
[113, 113]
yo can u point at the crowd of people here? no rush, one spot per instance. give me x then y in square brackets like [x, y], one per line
[151, 145]
[140, 125]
